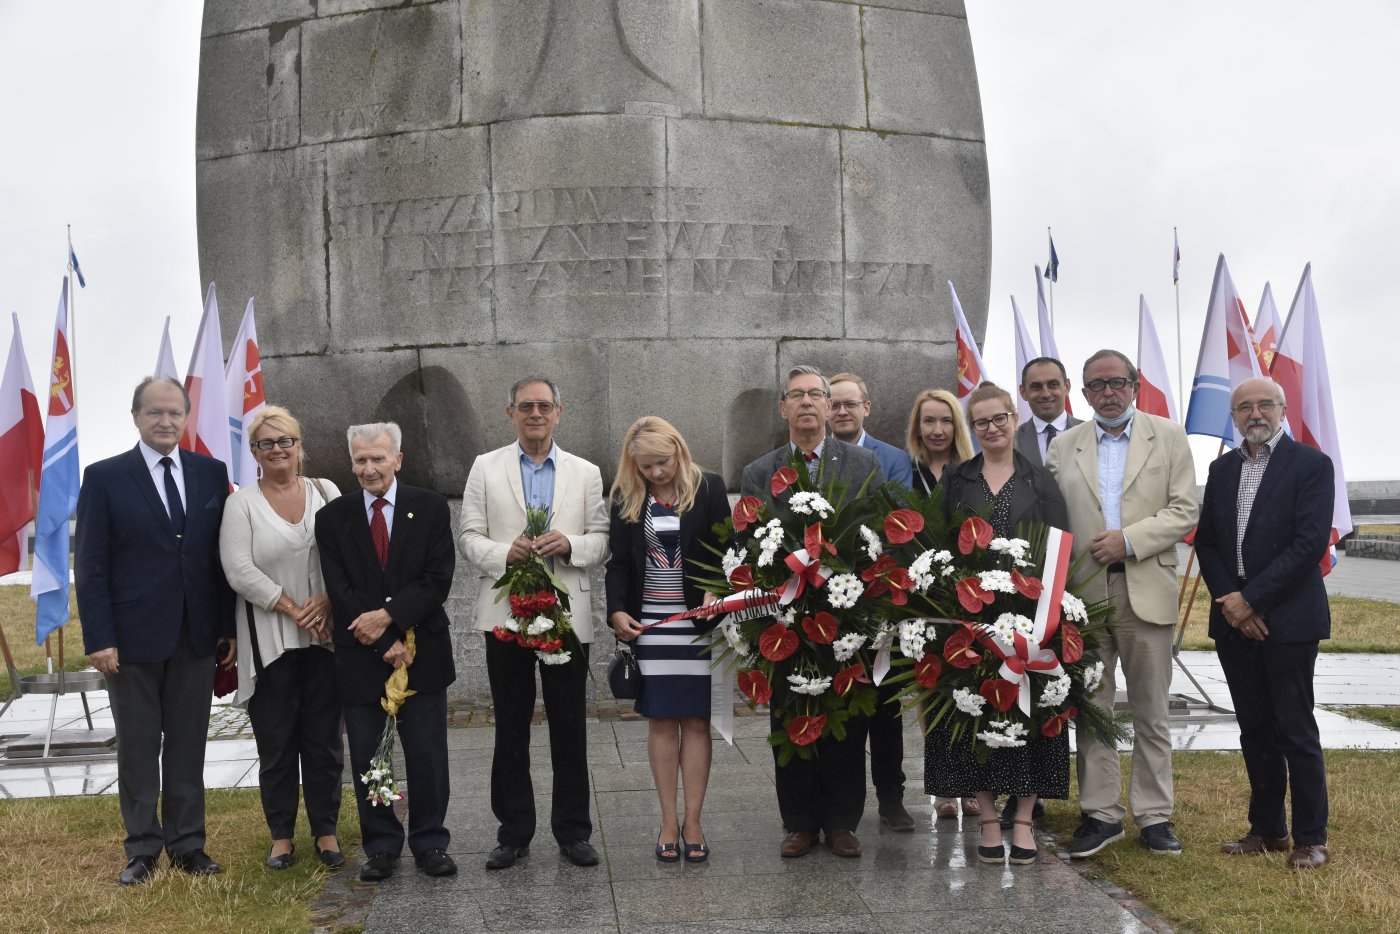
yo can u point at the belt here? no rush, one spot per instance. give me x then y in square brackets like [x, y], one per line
[1117, 567]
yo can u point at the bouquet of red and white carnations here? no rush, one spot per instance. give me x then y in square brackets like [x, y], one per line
[539, 603]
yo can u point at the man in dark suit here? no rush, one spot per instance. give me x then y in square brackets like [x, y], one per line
[826, 792]
[1045, 387]
[387, 556]
[1266, 522]
[154, 606]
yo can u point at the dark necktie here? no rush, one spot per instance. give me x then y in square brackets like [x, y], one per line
[172, 498]
[379, 532]
[1049, 436]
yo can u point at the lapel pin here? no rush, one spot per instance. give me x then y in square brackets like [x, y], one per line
[410, 515]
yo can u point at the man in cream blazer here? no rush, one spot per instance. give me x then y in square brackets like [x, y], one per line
[1130, 486]
[533, 470]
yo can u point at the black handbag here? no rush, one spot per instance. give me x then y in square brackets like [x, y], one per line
[624, 675]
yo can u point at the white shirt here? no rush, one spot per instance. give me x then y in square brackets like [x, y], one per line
[157, 470]
[1113, 464]
[390, 495]
[1040, 437]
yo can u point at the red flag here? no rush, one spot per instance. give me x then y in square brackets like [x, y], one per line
[206, 428]
[243, 389]
[1267, 329]
[21, 456]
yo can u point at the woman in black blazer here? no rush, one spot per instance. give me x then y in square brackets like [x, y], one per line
[663, 510]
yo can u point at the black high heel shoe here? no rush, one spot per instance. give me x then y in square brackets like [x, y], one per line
[991, 854]
[694, 852]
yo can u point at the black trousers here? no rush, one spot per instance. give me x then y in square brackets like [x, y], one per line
[511, 671]
[296, 722]
[827, 791]
[887, 745]
[161, 711]
[422, 740]
[1271, 685]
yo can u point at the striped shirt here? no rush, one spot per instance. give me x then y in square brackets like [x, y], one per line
[1251, 475]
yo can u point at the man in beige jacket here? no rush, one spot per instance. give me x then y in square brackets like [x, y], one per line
[1130, 485]
[534, 471]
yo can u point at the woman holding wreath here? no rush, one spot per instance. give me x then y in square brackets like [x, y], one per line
[1018, 494]
[663, 509]
[286, 673]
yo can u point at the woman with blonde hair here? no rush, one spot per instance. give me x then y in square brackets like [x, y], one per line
[937, 437]
[286, 673]
[663, 510]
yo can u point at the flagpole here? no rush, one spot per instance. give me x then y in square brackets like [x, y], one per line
[1176, 287]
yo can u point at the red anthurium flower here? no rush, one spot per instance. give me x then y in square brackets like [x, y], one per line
[741, 578]
[975, 531]
[1071, 643]
[885, 575]
[815, 543]
[959, 651]
[755, 686]
[1056, 724]
[847, 677]
[1000, 693]
[777, 642]
[971, 595]
[805, 730]
[746, 512]
[927, 669]
[784, 478]
[902, 525]
[1029, 587]
[820, 628]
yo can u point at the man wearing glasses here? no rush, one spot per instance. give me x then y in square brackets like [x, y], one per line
[1044, 386]
[1130, 485]
[1266, 521]
[826, 792]
[534, 472]
[850, 407]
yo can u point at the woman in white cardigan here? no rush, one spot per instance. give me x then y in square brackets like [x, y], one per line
[286, 673]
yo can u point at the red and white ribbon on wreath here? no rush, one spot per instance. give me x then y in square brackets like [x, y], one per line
[806, 572]
[750, 604]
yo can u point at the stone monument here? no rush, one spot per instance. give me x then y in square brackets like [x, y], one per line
[663, 204]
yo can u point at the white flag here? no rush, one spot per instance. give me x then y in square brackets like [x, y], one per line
[243, 388]
[1025, 353]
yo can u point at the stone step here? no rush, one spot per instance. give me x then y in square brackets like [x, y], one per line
[1387, 548]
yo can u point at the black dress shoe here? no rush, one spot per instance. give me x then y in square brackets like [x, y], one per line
[196, 863]
[283, 860]
[436, 863]
[137, 871]
[332, 858]
[378, 867]
[505, 855]
[580, 853]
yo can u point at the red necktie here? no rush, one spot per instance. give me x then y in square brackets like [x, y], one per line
[809, 456]
[379, 532]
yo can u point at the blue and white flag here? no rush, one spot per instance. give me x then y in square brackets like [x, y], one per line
[73, 265]
[1052, 266]
[58, 487]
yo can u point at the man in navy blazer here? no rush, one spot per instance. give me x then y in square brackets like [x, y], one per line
[387, 556]
[154, 606]
[1266, 522]
[850, 407]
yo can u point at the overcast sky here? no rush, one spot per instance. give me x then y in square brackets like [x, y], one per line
[1256, 128]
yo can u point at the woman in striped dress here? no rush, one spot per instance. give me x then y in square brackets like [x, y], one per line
[663, 510]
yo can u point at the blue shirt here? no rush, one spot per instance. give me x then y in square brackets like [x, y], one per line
[537, 481]
[1113, 464]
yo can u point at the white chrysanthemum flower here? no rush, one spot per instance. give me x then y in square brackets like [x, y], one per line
[788, 616]
[1004, 734]
[969, 702]
[555, 658]
[847, 646]
[733, 560]
[1055, 692]
[810, 686]
[997, 581]
[1074, 608]
[1014, 547]
[912, 635]
[943, 557]
[1093, 677]
[540, 624]
[843, 590]
[921, 571]
[873, 547]
[1005, 627]
[807, 504]
[949, 571]
[1024, 624]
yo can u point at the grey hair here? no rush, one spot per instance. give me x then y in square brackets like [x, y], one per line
[1101, 354]
[372, 431]
[803, 369]
[522, 383]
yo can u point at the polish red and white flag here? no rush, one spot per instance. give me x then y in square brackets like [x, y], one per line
[206, 428]
[243, 388]
[971, 371]
[1154, 385]
[1025, 353]
[21, 456]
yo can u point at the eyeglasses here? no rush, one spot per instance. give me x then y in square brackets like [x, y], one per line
[1263, 408]
[844, 406]
[544, 408]
[1099, 385]
[267, 444]
[795, 395]
[1000, 420]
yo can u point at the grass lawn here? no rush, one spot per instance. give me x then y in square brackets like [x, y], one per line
[17, 617]
[1358, 625]
[1385, 716]
[1379, 528]
[1204, 890]
[59, 859]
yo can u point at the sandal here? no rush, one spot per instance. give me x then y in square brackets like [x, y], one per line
[946, 807]
[667, 852]
[694, 852]
[971, 808]
[991, 854]
[1021, 856]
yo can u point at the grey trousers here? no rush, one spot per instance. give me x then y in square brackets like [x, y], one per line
[151, 702]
